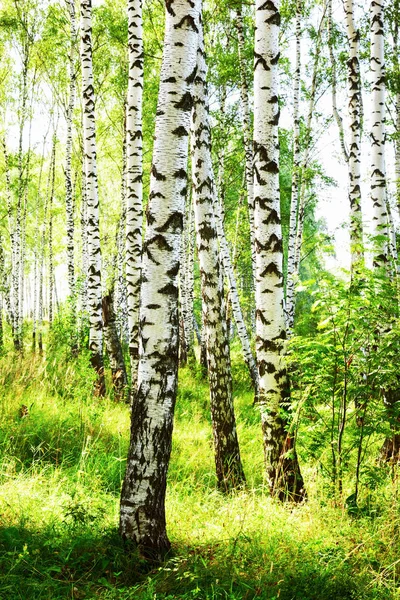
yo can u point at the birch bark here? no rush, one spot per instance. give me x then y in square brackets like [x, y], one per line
[247, 134]
[282, 468]
[294, 202]
[69, 203]
[354, 164]
[226, 445]
[94, 251]
[142, 516]
[134, 180]
[377, 135]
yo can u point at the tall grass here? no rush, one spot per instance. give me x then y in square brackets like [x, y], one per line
[61, 468]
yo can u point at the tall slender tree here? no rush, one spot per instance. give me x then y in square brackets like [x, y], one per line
[377, 136]
[94, 251]
[294, 201]
[142, 516]
[227, 455]
[282, 468]
[354, 164]
[134, 179]
[69, 203]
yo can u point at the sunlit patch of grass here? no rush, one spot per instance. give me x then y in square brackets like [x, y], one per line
[61, 469]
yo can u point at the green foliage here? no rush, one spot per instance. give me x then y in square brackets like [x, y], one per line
[346, 373]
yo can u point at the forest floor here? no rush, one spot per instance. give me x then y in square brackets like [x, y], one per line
[61, 468]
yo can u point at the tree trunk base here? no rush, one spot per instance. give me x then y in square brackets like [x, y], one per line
[390, 451]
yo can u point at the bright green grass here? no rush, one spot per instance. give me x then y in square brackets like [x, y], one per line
[60, 475]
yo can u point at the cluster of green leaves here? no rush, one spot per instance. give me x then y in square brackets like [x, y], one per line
[345, 375]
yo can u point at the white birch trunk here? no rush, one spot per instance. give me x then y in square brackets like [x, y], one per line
[11, 227]
[354, 163]
[134, 175]
[294, 202]
[396, 63]
[282, 469]
[377, 135]
[226, 446]
[69, 202]
[94, 251]
[247, 133]
[142, 516]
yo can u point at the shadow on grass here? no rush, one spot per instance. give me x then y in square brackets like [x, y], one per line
[76, 563]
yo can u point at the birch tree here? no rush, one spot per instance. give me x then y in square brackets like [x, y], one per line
[354, 154]
[377, 135]
[294, 202]
[69, 204]
[134, 179]
[282, 468]
[226, 446]
[142, 516]
[89, 143]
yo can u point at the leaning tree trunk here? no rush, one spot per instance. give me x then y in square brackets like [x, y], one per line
[354, 163]
[378, 175]
[94, 251]
[134, 181]
[69, 203]
[226, 445]
[142, 517]
[294, 202]
[282, 468]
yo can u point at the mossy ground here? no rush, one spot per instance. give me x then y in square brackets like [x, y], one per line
[60, 474]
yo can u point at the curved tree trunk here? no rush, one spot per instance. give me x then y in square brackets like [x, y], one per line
[282, 468]
[94, 251]
[226, 445]
[134, 181]
[142, 517]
